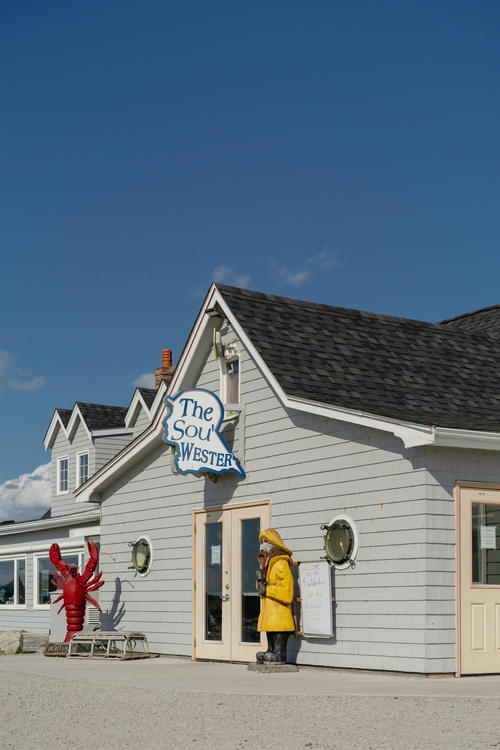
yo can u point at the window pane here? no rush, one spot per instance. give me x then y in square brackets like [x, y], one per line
[486, 544]
[83, 468]
[233, 382]
[45, 575]
[213, 581]
[63, 475]
[21, 582]
[7, 582]
[250, 600]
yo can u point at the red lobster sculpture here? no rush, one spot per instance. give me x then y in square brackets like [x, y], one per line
[75, 587]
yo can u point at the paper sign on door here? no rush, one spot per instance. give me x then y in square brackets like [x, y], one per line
[488, 537]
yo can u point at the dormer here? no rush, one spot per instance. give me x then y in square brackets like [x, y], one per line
[139, 413]
[82, 440]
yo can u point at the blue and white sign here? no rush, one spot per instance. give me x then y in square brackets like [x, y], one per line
[193, 426]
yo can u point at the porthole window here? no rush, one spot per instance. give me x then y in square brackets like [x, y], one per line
[142, 555]
[341, 542]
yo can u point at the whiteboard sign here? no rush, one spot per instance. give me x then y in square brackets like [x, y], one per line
[488, 536]
[316, 593]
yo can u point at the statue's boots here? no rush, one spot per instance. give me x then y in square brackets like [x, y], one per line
[278, 654]
[261, 656]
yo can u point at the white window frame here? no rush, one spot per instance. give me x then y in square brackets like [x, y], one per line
[37, 557]
[79, 481]
[15, 559]
[58, 478]
[224, 381]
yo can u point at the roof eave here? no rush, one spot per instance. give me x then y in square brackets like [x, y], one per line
[21, 527]
[450, 437]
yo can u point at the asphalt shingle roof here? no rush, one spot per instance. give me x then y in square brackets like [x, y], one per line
[445, 374]
[148, 395]
[485, 321]
[65, 415]
[101, 417]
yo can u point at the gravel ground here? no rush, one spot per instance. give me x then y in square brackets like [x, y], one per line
[43, 712]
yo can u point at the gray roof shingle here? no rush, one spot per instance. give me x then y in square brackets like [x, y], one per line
[445, 374]
[102, 417]
[148, 394]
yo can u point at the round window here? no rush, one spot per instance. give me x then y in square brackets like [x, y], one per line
[142, 555]
[341, 542]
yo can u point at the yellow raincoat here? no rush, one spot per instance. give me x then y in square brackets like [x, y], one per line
[276, 610]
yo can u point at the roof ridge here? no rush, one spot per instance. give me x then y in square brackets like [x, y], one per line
[322, 305]
[468, 314]
[105, 406]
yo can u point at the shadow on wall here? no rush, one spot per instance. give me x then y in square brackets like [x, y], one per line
[111, 618]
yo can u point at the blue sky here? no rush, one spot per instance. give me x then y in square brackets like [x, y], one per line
[346, 153]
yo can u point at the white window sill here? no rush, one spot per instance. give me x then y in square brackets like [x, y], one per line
[12, 606]
[58, 494]
[41, 606]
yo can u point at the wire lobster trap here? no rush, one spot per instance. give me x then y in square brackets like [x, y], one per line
[109, 645]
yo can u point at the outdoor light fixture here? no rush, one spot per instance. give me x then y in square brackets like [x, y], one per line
[142, 555]
[213, 312]
[340, 542]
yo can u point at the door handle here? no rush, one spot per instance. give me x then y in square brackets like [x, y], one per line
[225, 597]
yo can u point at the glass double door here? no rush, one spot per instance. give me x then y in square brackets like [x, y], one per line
[227, 605]
[480, 581]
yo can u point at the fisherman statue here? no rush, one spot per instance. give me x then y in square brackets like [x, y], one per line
[275, 587]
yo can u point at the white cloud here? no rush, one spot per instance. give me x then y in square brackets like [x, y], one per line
[14, 377]
[324, 260]
[146, 380]
[297, 279]
[31, 384]
[27, 496]
[293, 277]
[229, 276]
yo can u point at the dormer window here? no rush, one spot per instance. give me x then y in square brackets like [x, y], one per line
[62, 475]
[82, 468]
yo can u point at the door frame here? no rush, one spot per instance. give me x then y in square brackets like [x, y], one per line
[195, 513]
[458, 576]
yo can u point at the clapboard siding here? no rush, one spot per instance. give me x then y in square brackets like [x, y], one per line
[80, 443]
[142, 421]
[395, 610]
[107, 447]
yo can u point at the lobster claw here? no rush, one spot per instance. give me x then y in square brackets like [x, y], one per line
[91, 562]
[55, 556]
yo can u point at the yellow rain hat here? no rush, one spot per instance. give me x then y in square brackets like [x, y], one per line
[273, 537]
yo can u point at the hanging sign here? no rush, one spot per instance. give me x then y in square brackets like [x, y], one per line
[193, 427]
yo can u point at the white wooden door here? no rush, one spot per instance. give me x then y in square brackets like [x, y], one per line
[479, 581]
[226, 602]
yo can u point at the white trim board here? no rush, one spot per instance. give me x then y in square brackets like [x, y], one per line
[51, 523]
